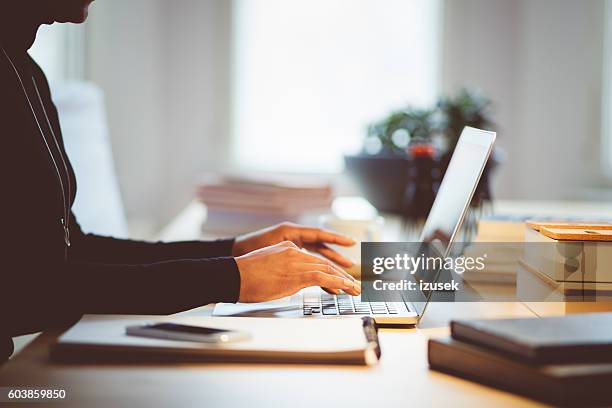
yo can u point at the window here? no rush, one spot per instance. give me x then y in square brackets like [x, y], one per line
[309, 75]
[59, 50]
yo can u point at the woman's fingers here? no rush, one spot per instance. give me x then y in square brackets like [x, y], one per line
[325, 280]
[308, 259]
[305, 257]
[353, 287]
[330, 254]
[332, 291]
[312, 235]
[326, 267]
[305, 263]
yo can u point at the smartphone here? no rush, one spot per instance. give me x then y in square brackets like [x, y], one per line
[173, 331]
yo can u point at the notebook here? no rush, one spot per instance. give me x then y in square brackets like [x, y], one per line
[581, 338]
[330, 341]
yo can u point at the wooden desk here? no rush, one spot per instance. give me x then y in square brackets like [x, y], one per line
[401, 379]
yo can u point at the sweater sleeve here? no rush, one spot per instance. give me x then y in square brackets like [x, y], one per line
[96, 248]
[156, 288]
[37, 296]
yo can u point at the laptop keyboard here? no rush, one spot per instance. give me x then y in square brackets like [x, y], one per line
[334, 305]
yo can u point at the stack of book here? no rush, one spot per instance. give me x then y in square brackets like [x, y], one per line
[241, 204]
[502, 237]
[566, 263]
[565, 361]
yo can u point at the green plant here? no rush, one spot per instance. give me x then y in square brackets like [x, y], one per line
[393, 134]
[397, 131]
[466, 108]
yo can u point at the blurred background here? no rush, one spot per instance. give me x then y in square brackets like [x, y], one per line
[153, 94]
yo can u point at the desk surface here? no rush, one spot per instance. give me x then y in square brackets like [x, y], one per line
[401, 379]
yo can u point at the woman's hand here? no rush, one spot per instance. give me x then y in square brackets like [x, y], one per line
[313, 239]
[283, 269]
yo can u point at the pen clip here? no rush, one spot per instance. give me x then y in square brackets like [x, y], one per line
[370, 329]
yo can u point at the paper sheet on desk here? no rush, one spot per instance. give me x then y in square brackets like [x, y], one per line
[278, 308]
[290, 306]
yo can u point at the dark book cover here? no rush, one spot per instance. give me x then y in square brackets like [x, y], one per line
[560, 385]
[581, 338]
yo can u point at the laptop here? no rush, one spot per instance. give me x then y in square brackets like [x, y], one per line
[443, 222]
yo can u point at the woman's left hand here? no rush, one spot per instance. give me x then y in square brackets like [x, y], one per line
[311, 238]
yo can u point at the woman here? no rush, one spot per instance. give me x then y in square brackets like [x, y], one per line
[52, 272]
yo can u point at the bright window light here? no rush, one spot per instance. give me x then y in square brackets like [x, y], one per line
[49, 51]
[309, 75]
[59, 50]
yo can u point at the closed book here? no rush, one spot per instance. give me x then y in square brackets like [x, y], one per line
[574, 339]
[561, 385]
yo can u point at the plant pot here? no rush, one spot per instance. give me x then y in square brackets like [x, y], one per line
[382, 179]
[407, 186]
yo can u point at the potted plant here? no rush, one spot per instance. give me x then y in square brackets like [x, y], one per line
[405, 154]
[397, 153]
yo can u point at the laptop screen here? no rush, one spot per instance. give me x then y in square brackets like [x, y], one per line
[453, 199]
[457, 187]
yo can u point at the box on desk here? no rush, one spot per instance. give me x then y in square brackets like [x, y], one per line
[571, 254]
[566, 268]
[505, 234]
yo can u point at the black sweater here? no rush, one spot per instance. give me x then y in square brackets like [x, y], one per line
[45, 284]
